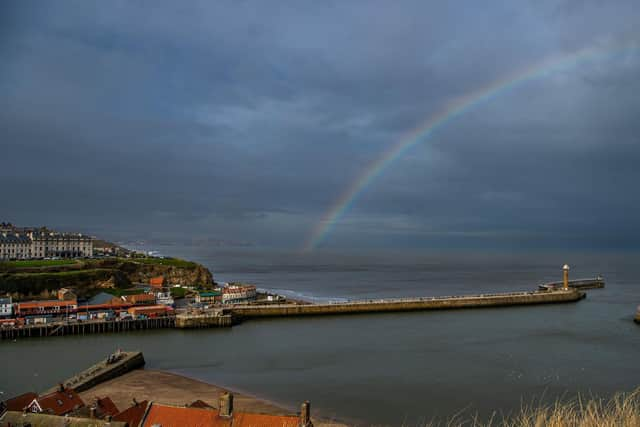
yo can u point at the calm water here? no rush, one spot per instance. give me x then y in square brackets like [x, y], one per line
[387, 368]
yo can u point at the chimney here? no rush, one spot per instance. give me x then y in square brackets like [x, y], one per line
[92, 412]
[225, 406]
[135, 402]
[61, 387]
[305, 414]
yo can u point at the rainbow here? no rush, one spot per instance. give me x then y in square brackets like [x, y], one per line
[449, 113]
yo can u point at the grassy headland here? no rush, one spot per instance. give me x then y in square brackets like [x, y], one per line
[41, 278]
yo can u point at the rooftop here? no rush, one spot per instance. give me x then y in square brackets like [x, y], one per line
[134, 414]
[18, 403]
[15, 418]
[174, 416]
[60, 402]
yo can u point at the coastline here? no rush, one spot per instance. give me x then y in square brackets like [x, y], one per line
[178, 389]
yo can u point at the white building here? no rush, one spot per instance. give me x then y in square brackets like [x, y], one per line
[30, 243]
[238, 294]
[164, 298]
[6, 307]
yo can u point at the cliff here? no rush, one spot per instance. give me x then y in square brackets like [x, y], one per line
[33, 279]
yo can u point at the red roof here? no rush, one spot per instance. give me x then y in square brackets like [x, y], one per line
[106, 406]
[138, 298]
[172, 416]
[242, 419]
[60, 402]
[200, 404]
[157, 281]
[133, 415]
[18, 403]
[50, 303]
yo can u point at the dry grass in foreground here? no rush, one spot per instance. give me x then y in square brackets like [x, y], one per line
[622, 410]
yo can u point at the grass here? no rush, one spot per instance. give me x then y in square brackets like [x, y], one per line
[174, 262]
[38, 263]
[71, 273]
[178, 292]
[622, 410]
[120, 292]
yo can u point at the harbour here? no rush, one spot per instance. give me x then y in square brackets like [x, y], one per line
[386, 368]
[235, 314]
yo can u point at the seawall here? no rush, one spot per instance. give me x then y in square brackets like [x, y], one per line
[215, 320]
[411, 304]
[119, 364]
[592, 283]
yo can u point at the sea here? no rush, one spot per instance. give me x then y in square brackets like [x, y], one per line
[395, 369]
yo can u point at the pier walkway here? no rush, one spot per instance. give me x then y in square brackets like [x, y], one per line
[410, 304]
[232, 315]
[590, 283]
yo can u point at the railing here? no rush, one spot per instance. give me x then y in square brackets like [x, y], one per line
[598, 279]
[411, 299]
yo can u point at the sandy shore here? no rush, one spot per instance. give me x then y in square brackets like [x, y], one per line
[165, 387]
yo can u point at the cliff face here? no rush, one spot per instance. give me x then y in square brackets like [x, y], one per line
[91, 276]
[172, 275]
[175, 271]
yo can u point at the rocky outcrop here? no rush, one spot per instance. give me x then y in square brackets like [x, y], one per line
[173, 275]
[92, 276]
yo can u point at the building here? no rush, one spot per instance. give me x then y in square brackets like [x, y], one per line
[63, 401]
[100, 408]
[45, 308]
[15, 246]
[18, 403]
[66, 294]
[141, 299]
[133, 416]
[157, 282]
[6, 307]
[19, 419]
[165, 298]
[238, 294]
[36, 243]
[150, 310]
[209, 297]
[199, 415]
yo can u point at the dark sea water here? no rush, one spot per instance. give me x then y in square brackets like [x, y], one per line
[387, 369]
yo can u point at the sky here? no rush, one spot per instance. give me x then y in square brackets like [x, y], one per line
[243, 122]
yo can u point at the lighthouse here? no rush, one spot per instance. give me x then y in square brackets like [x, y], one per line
[565, 277]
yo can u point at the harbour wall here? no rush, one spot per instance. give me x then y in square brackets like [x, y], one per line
[204, 321]
[593, 283]
[411, 304]
[104, 371]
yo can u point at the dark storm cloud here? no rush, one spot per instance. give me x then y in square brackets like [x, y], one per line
[247, 120]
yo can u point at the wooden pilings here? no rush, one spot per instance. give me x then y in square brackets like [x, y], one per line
[81, 328]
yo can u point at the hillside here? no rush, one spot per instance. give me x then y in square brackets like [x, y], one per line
[40, 279]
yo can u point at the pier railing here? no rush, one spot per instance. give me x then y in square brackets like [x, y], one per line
[412, 299]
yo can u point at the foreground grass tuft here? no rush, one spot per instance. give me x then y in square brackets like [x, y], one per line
[622, 410]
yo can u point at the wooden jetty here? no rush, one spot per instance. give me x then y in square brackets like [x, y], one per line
[86, 327]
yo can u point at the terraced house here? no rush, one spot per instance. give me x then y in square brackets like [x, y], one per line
[37, 243]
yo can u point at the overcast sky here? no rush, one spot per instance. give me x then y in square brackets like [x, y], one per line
[244, 121]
